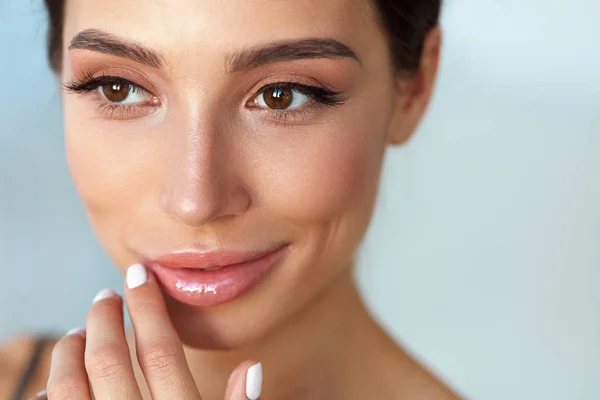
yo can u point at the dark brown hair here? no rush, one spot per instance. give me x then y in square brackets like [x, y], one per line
[406, 23]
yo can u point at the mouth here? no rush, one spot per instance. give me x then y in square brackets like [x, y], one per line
[206, 278]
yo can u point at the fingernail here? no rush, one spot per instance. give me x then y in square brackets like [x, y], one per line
[254, 381]
[76, 331]
[104, 294]
[136, 276]
[41, 394]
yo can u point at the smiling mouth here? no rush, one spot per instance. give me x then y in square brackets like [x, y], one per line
[210, 278]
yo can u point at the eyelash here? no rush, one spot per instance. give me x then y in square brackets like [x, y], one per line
[87, 84]
[319, 95]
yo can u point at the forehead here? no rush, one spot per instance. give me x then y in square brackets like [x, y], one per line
[182, 25]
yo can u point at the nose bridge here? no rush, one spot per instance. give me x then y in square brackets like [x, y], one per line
[200, 186]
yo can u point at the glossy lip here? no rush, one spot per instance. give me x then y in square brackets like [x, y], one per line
[183, 274]
[198, 259]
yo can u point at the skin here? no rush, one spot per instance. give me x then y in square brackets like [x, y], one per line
[198, 165]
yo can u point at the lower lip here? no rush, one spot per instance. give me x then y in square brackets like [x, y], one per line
[208, 288]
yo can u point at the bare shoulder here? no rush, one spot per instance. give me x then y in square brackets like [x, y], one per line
[15, 354]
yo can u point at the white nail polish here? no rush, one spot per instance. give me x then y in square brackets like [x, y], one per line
[136, 276]
[104, 294]
[254, 381]
[76, 331]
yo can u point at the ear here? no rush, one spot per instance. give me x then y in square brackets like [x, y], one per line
[414, 92]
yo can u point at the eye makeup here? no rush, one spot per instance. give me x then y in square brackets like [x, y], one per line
[121, 98]
[113, 94]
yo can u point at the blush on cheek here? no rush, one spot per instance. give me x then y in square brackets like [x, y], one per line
[323, 178]
[100, 174]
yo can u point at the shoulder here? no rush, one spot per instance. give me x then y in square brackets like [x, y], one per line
[15, 354]
[14, 351]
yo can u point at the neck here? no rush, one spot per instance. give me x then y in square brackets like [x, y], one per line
[315, 355]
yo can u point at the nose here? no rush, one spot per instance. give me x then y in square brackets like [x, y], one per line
[202, 183]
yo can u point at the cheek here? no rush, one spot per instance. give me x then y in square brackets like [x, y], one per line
[111, 163]
[106, 169]
[319, 175]
[100, 195]
[100, 186]
[112, 172]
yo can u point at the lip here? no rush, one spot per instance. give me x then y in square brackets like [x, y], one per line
[196, 259]
[184, 276]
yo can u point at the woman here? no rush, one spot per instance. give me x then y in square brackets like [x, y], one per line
[228, 155]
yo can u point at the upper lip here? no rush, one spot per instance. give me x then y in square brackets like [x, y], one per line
[203, 259]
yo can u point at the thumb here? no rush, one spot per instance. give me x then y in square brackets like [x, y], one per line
[245, 382]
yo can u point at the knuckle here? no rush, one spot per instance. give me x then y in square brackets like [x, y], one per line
[148, 306]
[106, 361]
[160, 359]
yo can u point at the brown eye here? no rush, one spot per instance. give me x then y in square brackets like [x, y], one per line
[281, 98]
[278, 98]
[116, 92]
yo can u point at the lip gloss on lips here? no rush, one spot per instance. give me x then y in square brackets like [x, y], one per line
[205, 279]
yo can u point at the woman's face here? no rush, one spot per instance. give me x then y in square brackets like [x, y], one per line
[190, 151]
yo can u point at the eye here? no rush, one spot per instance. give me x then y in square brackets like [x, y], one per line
[122, 93]
[282, 98]
[118, 98]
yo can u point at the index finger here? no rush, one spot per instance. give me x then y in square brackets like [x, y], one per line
[159, 350]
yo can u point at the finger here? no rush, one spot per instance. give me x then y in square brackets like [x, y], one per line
[43, 395]
[159, 350]
[107, 357]
[68, 379]
[245, 382]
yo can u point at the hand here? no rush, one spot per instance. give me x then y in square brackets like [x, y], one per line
[95, 362]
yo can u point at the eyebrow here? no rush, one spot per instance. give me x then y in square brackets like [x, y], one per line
[108, 43]
[289, 50]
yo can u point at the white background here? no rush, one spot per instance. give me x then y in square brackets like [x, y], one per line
[484, 254]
